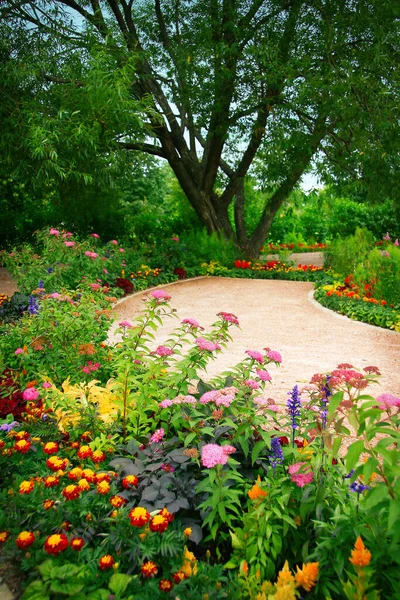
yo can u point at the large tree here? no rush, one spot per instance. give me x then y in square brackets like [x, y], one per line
[230, 82]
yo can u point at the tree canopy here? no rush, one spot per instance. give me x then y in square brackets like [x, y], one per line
[220, 89]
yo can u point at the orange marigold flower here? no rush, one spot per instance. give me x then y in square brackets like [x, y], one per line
[21, 435]
[77, 543]
[3, 536]
[103, 487]
[139, 516]
[360, 555]
[114, 514]
[66, 525]
[75, 474]
[189, 566]
[285, 576]
[99, 456]
[130, 481]
[149, 569]
[169, 516]
[158, 523]
[106, 562]
[47, 504]
[307, 576]
[50, 448]
[71, 492]
[187, 532]
[85, 452]
[86, 436]
[84, 485]
[256, 492]
[75, 445]
[55, 463]
[166, 585]
[51, 481]
[89, 475]
[22, 446]
[103, 477]
[56, 543]
[25, 539]
[179, 576]
[26, 487]
[117, 501]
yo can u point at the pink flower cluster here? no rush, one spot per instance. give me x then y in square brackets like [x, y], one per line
[161, 295]
[91, 255]
[69, 244]
[251, 383]
[255, 355]
[91, 366]
[204, 344]
[213, 455]
[30, 394]
[223, 397]
[95, 286]
[387, 401]
[54, 232]
[95, 235]
[126, 324]
[46, 385]
[193, 323]
[264, 375]
[157, 436]
[181, 399]
[114, 242]
[228, 317]
[273, 355]
[301, 473]
[163, 351]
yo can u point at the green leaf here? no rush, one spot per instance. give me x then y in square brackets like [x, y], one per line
[45, 568]
[258, 448]
[334, 402]
[353, 454]
[36, 591]
[66, 588]
[376, 495]
[119, 582]
[64, 572]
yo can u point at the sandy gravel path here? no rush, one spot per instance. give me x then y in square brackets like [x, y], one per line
[283, 316]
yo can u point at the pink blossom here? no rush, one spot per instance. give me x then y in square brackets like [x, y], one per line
[273, 355]
[91, 366]
[386, 401]
[204, 344]
[68, 234]
[46, 385]
[54, 232]
[19, 351]
[95, 235]
[55, 295]
[193, 323]
[114, 242]
[163, 351]
[387, 236]
[121, 250]
[264, 375]
[69, 244]
[30, 394]
[255, 355]
[251, 383]
[160, 295]
[95, 286]
[396, 242]
[175, 238]
[157, 436]
[166, 403]
[92, 255]
[212, 455]
[386, 254]
[228, 317]
[301, 478]
[126, 324]
[105, 271]
[210, 396]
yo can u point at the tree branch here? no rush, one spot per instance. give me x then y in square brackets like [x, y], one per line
[148, 148]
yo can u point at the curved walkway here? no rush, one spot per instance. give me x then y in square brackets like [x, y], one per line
[283, 316]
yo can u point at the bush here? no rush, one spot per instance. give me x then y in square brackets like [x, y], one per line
[344, 255]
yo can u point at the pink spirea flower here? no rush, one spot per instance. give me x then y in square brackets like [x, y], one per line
[86, 370]
[69, 244]
[228, 317]
[251, 383]
[105, 271]
[175, 238]
[95, 235]
[275, 356]
[193, 323]
[46, 385]
[121, 250]
[19, 351]
[213, 455]
[264, 375]
[92, 255]
[223, 397]
[54, 232]
[301, 473]
[163, 351]
[387, 237]
[30, 394]
[396, 242]
[95, 286]
[114, 242]
[91, 366]
[157, 436]
[204, 344]
[387, 401]
[386, 254]
[126, 324]
[68, 234]
[255, 355]
[166, 403]
[160, 295]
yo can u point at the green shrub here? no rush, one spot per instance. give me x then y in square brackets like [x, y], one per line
[345, 255]
[383, 269]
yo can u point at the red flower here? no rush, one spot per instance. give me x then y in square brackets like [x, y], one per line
[22, 435]
[167, 515]
[165, 585]
[71, 492]
[26, 487]
[85, 452]
[179, 576]
[22, 446]
[77, 543]
[103, 477]
[1, 444]
[106, 562]
[3, 536]
[25, 539]
[98, 456]
[139, 516]
[50, 448]
[159, 523]
[103, 488]
[56, 543]
[117, 501]
[51, 481]
[55, 463]
[130, 481]
[47, 504]
[149, 569]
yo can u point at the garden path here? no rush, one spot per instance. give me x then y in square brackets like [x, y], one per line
[283, 316]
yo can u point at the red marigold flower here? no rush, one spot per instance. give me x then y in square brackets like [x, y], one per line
[25, 539]
[51, 481]
[139, 516]
[103, 487]
[117, 501]
[2, 444]
[103, 477]
[3, 536]
[50, 448]
[75, 474]
[130, 481]
[149, 569]
[22, 435]
[179, 576]
[66, 525]
[99, 456]
[86, 436]
[89, 475]
[26, 487]
[167, 515]
[85, 452]
[84, 485]
[166, 585]
[47, 504]
[22, 446]
[71, 492]
[55, 463]
[77, 543]
[106, 562]
[56, 543]
[158, 523]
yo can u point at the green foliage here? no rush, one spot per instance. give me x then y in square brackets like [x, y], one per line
[344, 255]
[382, 267]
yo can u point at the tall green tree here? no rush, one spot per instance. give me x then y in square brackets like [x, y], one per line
[230, 81]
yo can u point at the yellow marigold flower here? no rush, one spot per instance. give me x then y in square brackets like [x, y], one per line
[286, 592]
[84, 485]
[189, 566]
[187, 532]
[26, 487]
[3, 536]
[360, 555]
[307, 576]
[103, 487]
[285, 576]
[256, 491]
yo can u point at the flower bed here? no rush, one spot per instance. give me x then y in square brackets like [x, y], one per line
[146, 482]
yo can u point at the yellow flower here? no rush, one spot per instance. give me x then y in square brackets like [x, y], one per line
[189, 566]
[286, 592]
[360, 555]
[285, 577]
[187, 532]
[307, 576]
